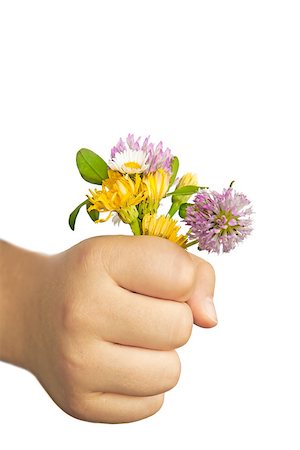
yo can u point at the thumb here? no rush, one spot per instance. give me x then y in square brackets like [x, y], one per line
[201, 301]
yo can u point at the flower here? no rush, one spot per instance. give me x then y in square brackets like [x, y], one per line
[219, 221]
[132, 157]
[139, 176]
[164, 227]
[129, 161]
[160, 159]
[189, 179]
[119, 193]
[156, 185]
[119, 148]
[135, 144]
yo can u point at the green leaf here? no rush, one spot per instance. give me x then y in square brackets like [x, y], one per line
[185, 190]
[174, 167]
[91, 166]
[174, 208]
[182, 209]
[74, 214]
[94, 215]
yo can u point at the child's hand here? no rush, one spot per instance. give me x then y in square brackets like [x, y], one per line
[102, 321]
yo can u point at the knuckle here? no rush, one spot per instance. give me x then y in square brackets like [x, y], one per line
[182, 326]
[184, 275]
[204, 269]
[209, 269]
[72, 361]
[77, 362]
[70, 368]
[71, 316]
[75, 406]
[74, 364]
[86, 254]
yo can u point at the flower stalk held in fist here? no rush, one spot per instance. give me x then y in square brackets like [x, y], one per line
[135, 180]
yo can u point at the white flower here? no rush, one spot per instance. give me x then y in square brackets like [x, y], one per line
[129, 161]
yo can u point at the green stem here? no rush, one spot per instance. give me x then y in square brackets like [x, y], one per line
[135, 227]
[174, 208]
[192, 243]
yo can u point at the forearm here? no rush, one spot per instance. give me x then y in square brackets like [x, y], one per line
[20, 272]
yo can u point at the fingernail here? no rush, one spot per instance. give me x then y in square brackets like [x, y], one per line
[209, 309]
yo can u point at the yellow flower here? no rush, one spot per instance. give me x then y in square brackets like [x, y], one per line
[119, 193]
[189, 179]
[156, 185]
[164, 227]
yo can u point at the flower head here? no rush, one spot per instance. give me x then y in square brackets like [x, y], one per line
[119, 193]
[134, 157]
[129, 161]
[156, 185]
[219, 221]
[164, 227]
[189, 179]
[159, 158]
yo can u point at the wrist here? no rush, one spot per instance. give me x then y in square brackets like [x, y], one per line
[21, 274]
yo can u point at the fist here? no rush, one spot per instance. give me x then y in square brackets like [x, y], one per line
[111, 312]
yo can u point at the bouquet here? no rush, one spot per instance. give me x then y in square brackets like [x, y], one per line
[139, 176]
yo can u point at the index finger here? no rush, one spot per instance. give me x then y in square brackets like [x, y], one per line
[151, 266]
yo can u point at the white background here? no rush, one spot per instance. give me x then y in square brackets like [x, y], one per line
[218, 82]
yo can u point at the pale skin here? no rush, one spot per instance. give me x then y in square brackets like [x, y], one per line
[98, 324]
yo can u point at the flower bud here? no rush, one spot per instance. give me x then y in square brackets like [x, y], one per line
[189, 179]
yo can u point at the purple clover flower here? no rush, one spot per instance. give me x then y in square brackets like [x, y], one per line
[157, 157]
[219, 221]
